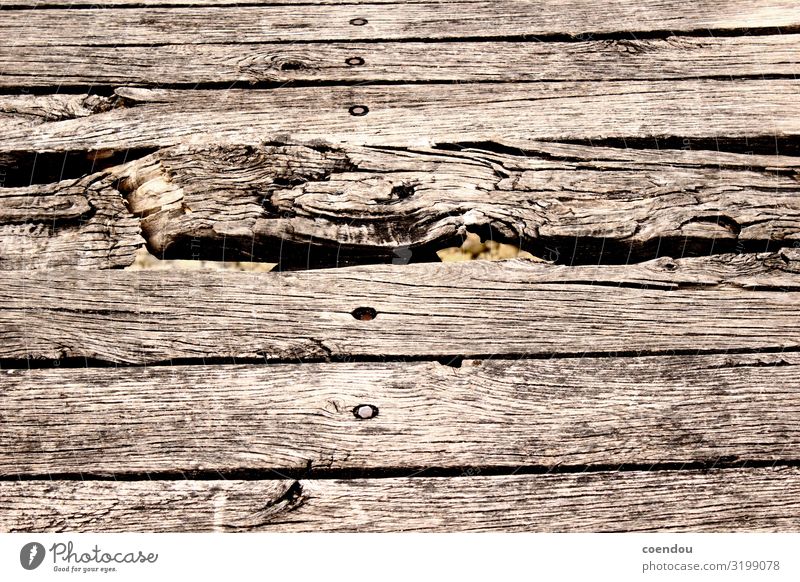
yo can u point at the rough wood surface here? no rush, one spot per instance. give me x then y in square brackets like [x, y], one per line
[80, 223]
[647, 59]
[258, 24]
[498, 413]
[254, 201]
[430, 310]
[403, 115]
[714, 501]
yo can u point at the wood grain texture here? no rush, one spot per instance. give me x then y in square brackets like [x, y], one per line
[257, 24]
[763, 500]
[647, 59]
[81, 223]
[497, 413]
[179, 4]
[369, 201]
[413, 115]
[427, 310]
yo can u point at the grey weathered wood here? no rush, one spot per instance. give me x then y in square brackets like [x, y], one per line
[82, 4]
[371, 201]
[80, 223]
[403, 115]
[501, 413]
[429, 310]
[202, 25]
[716, 501]
[647, 59]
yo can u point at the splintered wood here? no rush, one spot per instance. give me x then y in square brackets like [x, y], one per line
[638, 372]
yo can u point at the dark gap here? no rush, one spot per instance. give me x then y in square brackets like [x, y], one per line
[93, 89]
[763, 145]
[24, 168]
[107, 90]
[766, 145]
[455, 362]
[65, 4]
[547, 37]
[452, 360]
[310, 472]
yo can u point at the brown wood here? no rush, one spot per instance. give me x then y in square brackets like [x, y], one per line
[763, 500]
[258, 24]
[371, 201]
[677, 57]
[427, 310]
[78, 223]
[413, 115]
[498, 413]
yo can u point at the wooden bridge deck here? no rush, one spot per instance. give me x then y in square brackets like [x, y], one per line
[641, 373]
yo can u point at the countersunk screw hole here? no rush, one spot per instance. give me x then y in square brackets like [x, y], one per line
[355, 61]
[358, 21]
[364, 313]
[365, 411]
[359, 110]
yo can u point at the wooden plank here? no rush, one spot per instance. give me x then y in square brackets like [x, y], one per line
[413, 115]
[646, 59]
[426, 310]
[765, 500]
[80, 223]
[258, 24]
[500, 413]
[83, 4]
[368, 201]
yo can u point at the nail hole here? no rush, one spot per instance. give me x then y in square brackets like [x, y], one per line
[358, 21]
[359, 110]
[365, 313]
[365, 411]
[403, 191]
[355, 61]
[671, 266]
[292, 66]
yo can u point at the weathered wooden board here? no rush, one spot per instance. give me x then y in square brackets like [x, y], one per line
[403, 115]
[80, 223]
[83, 4]
[426, 310]
[714, 501]
[322, 205]
[370, 201]
[498, 413]
[646, 59]
[258, 24]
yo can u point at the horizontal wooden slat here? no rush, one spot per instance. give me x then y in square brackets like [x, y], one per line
[371, 201]
[672, 58]
[429, 20]
[79, 223]
[182, 4]
[315, 205]
[426, 310]
[498, 413]
[715, 501]
[403, 115]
